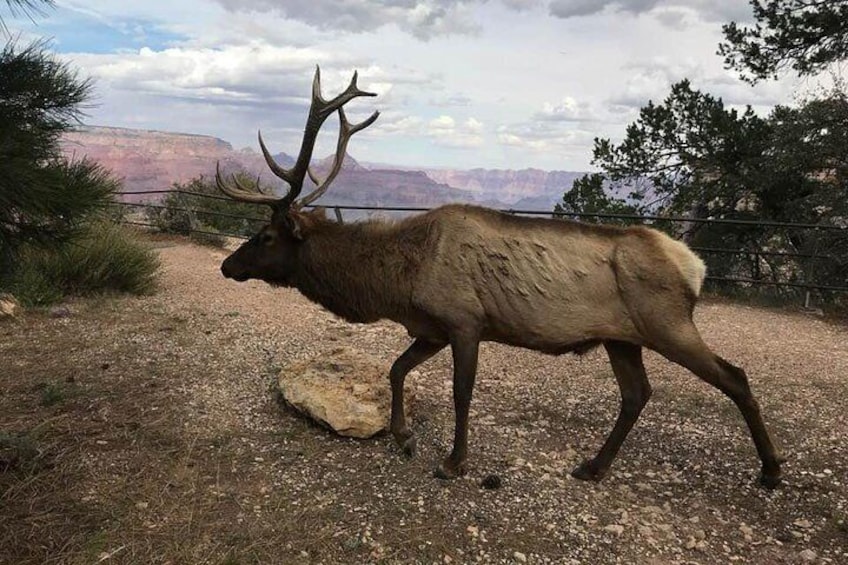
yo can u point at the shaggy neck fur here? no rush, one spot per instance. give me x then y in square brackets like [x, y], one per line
[363, 271]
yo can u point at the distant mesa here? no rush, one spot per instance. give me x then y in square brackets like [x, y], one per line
[153, 160]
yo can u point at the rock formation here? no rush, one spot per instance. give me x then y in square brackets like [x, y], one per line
[345, 390]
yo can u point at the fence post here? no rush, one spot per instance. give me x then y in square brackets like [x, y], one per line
[811, 267]
[338, 212]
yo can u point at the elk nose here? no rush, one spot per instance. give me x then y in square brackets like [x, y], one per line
[233, 272]
[227, 269]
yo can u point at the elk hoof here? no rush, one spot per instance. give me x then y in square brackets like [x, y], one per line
[409, 447]
[448, 470]
[587, 471]
[770, 480]
[406, 441]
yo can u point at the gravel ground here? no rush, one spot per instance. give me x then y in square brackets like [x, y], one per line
[170, 445]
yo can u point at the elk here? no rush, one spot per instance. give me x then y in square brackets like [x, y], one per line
[460, 274]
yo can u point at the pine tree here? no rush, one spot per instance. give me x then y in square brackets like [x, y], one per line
[806, 35]
[43, 198]
[26, 7]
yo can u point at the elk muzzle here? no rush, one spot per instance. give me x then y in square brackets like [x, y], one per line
[232, 270]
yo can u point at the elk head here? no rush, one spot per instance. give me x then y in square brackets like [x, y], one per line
[271, 254]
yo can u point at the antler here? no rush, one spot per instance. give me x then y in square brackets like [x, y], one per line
[240, 192]
[319, 110]
[346, 131]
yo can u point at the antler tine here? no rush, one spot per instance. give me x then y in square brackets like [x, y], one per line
[327, 107]
[346, 131]
[319, 110]
[240, 192]
[285, 174]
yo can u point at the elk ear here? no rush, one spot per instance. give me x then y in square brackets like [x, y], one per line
[295, 227]
[319, 213]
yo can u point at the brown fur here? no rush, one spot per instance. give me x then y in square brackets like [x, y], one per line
[458, 275]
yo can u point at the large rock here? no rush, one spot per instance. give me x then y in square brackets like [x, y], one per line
[8, 306]
[346, 390]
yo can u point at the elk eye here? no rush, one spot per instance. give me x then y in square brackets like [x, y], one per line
[266, 239]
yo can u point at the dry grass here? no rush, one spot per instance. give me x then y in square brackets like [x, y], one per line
[144, 430]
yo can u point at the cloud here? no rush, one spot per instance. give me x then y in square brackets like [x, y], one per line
[521, 5]
[566, 110]
[424, 19]
[457, 99]
[399, 124]
[669, 12]
[252, 73]
[446, 131]
[544, 136]
[247, 87]
[651, 80]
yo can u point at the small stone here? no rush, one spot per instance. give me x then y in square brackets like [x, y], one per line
[141, 505]
[520, 557]
[616, 529]
[8, 306]
[807, 555]
[60, 312]
[491, 482]
[803, 523]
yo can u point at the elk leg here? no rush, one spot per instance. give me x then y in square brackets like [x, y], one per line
[626, 361]
[465, 351]
[687, 349]
[417, 353]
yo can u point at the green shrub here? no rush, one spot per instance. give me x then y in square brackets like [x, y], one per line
[29, 284]
[52, 393]
[19, 452]
[105, 257]
[186, 213]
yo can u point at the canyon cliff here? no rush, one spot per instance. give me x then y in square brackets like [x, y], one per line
[146, 160]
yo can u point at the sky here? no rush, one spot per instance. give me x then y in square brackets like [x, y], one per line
[507, 84]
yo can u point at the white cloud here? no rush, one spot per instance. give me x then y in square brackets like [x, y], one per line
[651, 80]
[397, 124]
[567, 110]
[423, 19]
[526, 90]
[668, 11]
[445, 131]
[544, 136]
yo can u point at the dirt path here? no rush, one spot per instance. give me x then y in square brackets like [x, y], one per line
[145, 431]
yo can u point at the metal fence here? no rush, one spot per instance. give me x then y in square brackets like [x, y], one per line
[801, 274]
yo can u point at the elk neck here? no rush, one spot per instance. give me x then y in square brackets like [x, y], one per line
[362, 271]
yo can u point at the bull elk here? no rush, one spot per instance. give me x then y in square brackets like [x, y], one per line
[459, 274]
